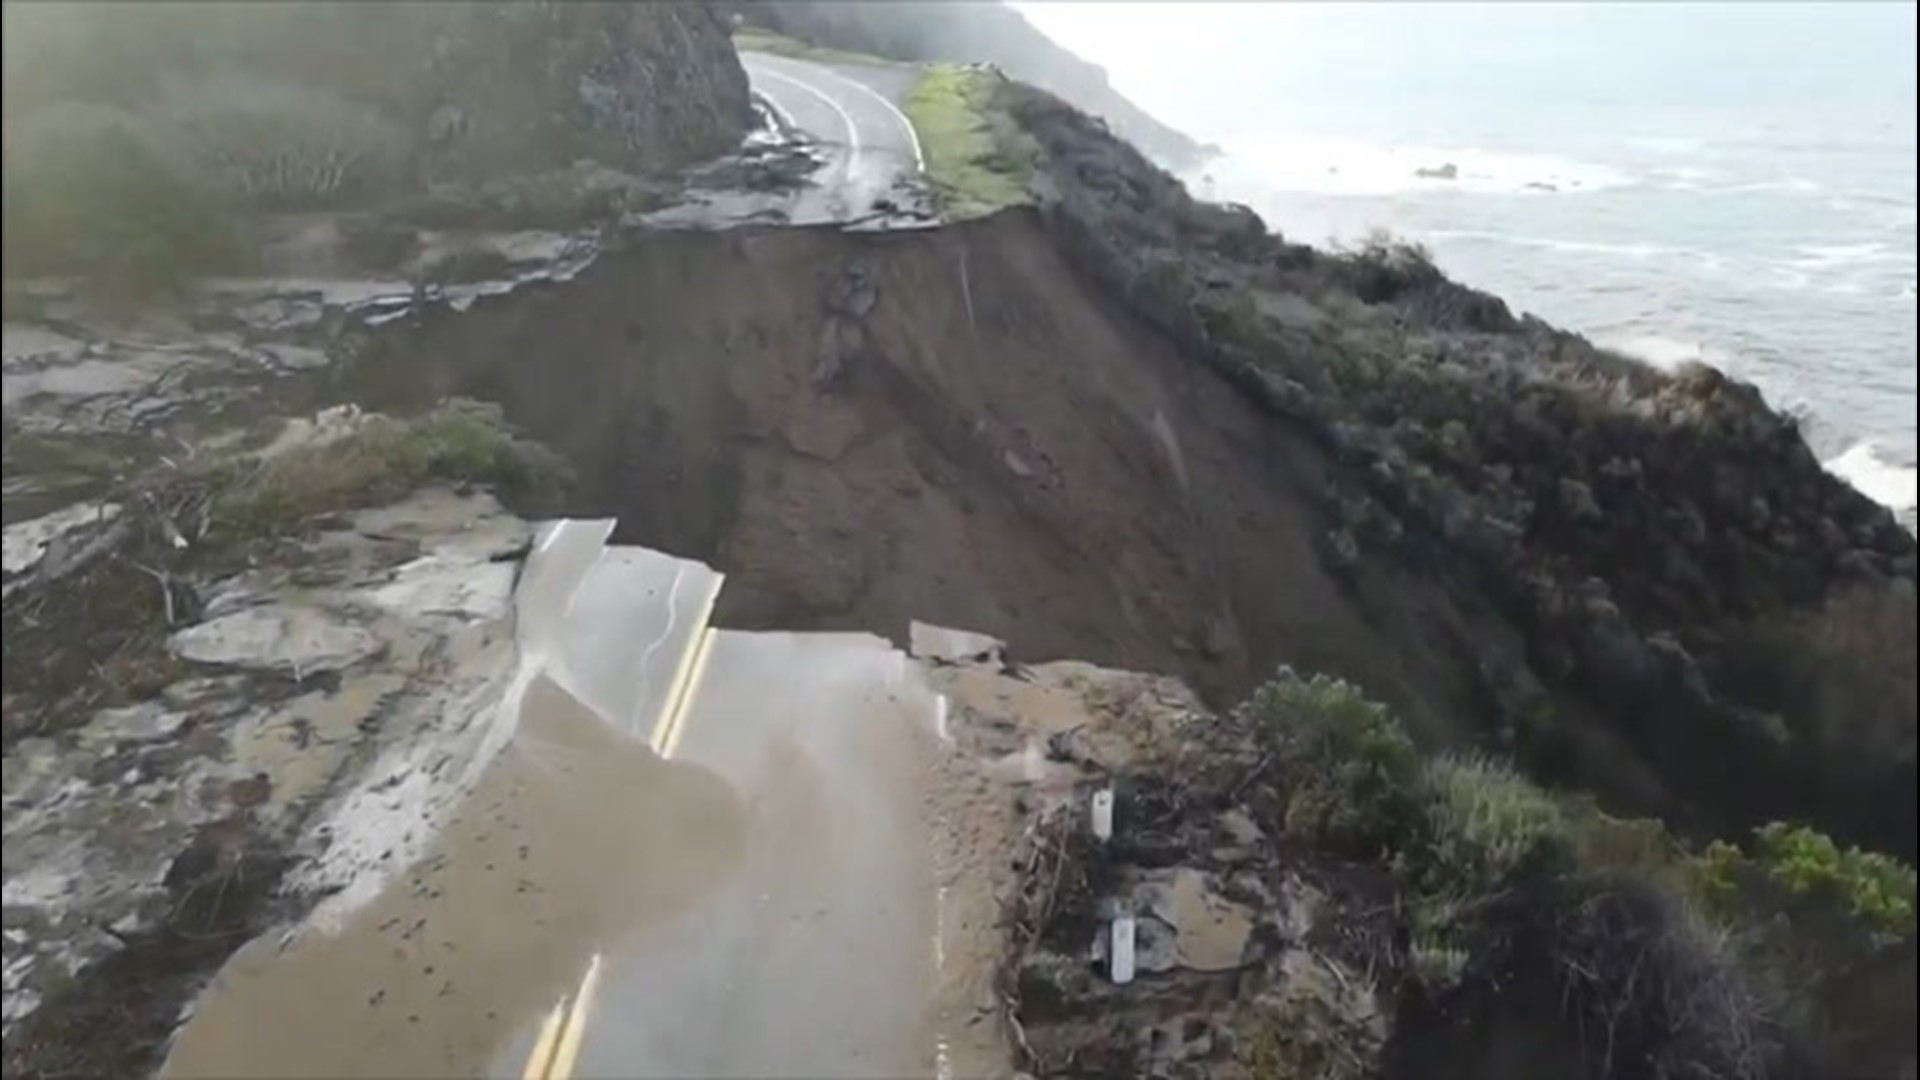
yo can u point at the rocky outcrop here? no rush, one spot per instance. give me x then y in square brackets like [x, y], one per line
[142, 149]
[467, 87]
[643, 87]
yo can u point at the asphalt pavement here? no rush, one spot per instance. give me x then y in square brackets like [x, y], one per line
[696, 853]
[853, 115]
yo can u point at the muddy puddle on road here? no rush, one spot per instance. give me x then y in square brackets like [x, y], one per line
[575, 839]
[760, 841]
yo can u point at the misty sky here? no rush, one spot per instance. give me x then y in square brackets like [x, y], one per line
[1218, 68]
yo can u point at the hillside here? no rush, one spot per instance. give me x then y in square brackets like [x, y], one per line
[1572, 634]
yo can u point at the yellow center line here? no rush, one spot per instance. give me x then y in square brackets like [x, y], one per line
[677, 694]
[540, 1062]
[557, 1048]
[676, 720]
[567, 1051]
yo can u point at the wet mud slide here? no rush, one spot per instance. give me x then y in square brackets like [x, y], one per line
[862, 430]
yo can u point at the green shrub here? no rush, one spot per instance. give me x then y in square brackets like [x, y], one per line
[381, 459]
[95, 190]
[1483, 825]
[1233, 319]
[1385, 268]
[1807, 864]
[1227, 229]
[1348, 770]
[279, 146]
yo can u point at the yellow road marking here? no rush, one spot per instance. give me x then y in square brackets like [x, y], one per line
[676, 721]
[677, 689]
[558, 1047]
[568, 1050]
[541, 1060]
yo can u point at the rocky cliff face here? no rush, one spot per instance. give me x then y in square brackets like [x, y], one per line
[516, 85]
[631, 85]
[145, 142]
[973, 33]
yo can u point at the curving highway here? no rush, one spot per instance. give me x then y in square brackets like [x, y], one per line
[853, 114]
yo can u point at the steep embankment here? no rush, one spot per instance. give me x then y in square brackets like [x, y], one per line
[1695, 618]
[950, 426]
[966, 426]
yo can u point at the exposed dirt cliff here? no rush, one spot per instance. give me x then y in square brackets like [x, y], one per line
[968, 426]
[951, 426]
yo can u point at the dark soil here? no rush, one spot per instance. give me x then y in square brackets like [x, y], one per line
[863, 430]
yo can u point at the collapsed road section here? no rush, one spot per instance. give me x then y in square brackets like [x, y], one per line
[738, 835]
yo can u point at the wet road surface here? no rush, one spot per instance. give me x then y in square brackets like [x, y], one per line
[873, 150]
[728, 829]
[816, 959]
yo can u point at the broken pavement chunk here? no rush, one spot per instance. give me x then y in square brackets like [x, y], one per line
[277, 636]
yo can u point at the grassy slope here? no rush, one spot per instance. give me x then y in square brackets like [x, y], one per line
[976, 157]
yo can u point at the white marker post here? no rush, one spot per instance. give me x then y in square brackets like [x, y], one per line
[1103, 815]
[1121, 950]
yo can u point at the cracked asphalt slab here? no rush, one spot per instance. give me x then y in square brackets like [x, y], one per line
[710, 822]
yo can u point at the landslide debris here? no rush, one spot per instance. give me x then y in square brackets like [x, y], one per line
[950, 425]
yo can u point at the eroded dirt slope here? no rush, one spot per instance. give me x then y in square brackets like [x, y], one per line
[949, 426]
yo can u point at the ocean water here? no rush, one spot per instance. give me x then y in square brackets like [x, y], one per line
[1722, 183]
